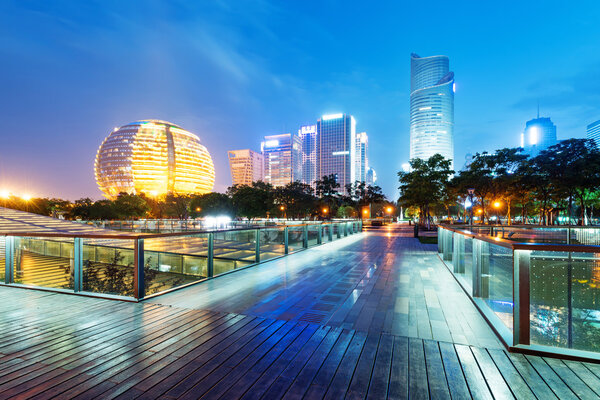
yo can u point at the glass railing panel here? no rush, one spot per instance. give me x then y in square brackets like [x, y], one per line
[497, 281]
[234, 249]
[272, 243]
[462, 260]
[532, 235]
[295, 238]
[44, 262]
[327, 232]
[173, 261]
[2, 258]
[587, 236]
[313, 235]
[565, 294]
[548, 284]
[107, 266]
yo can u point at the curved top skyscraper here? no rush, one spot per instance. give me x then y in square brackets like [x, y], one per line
[431, 107]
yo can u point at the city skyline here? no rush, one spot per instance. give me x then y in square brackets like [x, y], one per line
[233, 76]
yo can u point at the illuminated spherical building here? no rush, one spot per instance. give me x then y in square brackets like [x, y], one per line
[153, 157]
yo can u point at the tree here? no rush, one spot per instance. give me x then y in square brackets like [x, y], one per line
[252, 201]
[178, 205]
[297, 199]
[130, 206]
[424, 184]
[212, 204]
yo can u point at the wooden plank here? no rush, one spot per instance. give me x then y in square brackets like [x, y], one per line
[457, 384]
[417, 370]
[339, 384]
[585, 375]
[378, 387]
[578, 386]
[436, 375]
[398, 386]
[493, 378]
[538, 386]
[554, 381]
[359, 385]
[477, 385]
[517, 384]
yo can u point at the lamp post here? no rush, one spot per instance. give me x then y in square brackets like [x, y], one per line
[471, 191]
[282, 208]
[497, 205]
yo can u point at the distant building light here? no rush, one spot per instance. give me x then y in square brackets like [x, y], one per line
[308, 129]
[332, 116]
[340, 153]
[424, 108]
[454, 87]
[272, 143]
[533, 135]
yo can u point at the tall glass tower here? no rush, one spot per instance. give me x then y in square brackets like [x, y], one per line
[336, 148]
[282, 156]
[431, 107]
[308, 135]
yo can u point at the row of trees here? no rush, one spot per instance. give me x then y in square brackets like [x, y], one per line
[295, 200]
[560, 184]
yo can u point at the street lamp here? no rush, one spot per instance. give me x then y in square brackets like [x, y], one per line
[471, 192]
[282, 209]
[497, 205]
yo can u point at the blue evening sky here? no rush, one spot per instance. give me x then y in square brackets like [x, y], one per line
[234, 71]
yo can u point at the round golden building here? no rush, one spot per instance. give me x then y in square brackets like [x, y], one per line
[153, 157]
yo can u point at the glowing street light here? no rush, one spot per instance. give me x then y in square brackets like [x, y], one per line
[325, 210]
[497, 204]
[389, 210]
[282, 208]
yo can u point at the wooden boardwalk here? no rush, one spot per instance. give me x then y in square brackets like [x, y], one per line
[62, 346]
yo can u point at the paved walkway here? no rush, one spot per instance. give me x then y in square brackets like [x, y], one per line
[382, 281]
[62, 346]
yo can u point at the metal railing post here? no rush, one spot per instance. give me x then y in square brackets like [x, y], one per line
[330, 232]
[138, 273]
[257, 245]
[339, 230]
[77, 264]
[320, 235]
[305, 237]
[521, 297]
[210, 256]
[476, 281]
[286, 240]
[9, 259]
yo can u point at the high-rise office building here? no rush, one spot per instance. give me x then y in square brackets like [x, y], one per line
[336, 148]
[371, 177]
[361, 160]
[308, 136]
[539, 134]
[282, 159]
[593, 132]
[431, 107]
[246, 166]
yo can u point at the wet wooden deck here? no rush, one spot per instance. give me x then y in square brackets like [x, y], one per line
[64, 346]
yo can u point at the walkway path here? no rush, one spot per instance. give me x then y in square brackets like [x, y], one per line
[63, 346]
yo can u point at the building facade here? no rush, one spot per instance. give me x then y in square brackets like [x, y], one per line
[308, 136]
[361, 159]
[153, 157]
[593, 132]
[246, 166]
[282, 156]
[336, 148]
[539, 134]
[431, 107]
[371, 177]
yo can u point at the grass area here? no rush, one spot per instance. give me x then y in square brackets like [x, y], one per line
[428, 239]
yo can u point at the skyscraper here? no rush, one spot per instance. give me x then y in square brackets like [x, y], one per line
[246, 166]
[282, 159]
[308, 136]
[361, 159]
[431, 107]
[371, 177]
[336, 148]
[593, 132]
[539, 134]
